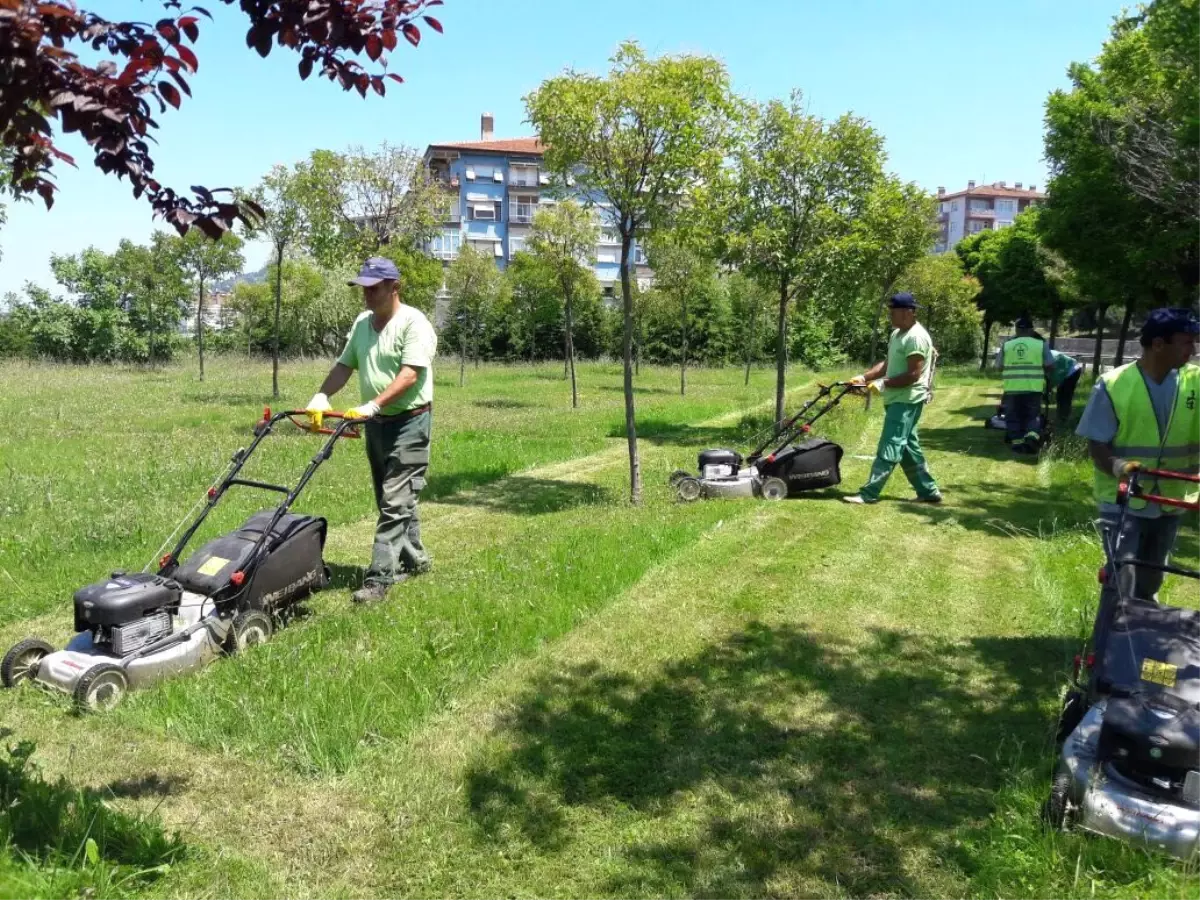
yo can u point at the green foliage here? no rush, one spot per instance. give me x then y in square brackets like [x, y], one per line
[476, 287]
[1012, 270]
[947, 295]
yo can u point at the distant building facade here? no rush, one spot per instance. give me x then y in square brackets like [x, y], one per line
[984, 208]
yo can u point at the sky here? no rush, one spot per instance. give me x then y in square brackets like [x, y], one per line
[956, 88]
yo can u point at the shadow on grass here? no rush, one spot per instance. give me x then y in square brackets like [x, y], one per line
[701, 437]
[150, 785]
[794, 762]
[346, 578]
[620, 389]
[51, 823]
[533, 496]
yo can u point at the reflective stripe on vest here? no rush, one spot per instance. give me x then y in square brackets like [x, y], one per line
[1023, 370]
[1138, 436]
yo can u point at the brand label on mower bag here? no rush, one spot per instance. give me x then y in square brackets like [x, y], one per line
[1159, 672]
[212, 566]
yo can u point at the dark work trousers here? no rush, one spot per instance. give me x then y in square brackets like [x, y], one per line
[398, 450]
[1020, 415]
[1065, 394]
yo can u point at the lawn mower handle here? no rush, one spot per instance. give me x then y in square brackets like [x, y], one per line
[1131, 487]
[261, 429]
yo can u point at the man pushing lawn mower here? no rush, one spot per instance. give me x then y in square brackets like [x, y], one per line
[905, 379]
[392, 346]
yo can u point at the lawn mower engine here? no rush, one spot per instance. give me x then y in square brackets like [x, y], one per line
[133, 629]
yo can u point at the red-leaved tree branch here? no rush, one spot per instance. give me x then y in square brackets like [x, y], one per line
[111, 104]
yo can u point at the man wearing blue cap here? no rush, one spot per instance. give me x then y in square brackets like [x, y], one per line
[1147, 415]
[1026, 366]
[391, 345]
[904, 379]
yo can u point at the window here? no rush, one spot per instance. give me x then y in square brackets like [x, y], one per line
[499, 249]
[485, 211]
[486, 246]
[1005, 208]
[516, 245]
[605, 255]
[639, 256]
[446, 245]
[497, 175]
[521, 210]
[609, 236]
[953, 206]
[976, 227]
[470, 173]
[484, 173]
[523, 176]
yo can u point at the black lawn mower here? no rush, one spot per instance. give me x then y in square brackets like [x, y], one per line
[135, 629]
[1129, 766]
[789, 470]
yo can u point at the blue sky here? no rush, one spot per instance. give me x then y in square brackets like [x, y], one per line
[957, 89]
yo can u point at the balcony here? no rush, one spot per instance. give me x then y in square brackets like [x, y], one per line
[976, 212]
[529, 178]
[522, 213]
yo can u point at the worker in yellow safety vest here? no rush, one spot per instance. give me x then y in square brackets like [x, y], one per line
[1146, 415]
[1026, 365]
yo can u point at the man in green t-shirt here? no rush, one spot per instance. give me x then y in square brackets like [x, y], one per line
[904, 379]
[391, 346]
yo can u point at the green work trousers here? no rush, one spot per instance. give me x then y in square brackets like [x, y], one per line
[398, 450]
[899, 444]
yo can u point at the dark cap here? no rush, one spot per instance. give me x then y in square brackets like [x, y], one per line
[1024, 323]
[904, 300]
[1162, 323]
[375, 270]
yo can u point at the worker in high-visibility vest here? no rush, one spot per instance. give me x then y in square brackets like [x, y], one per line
[1026, 366]
[1147, 415]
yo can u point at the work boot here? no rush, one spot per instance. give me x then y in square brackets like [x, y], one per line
[371, 593]
[932, 498]
[857, 499]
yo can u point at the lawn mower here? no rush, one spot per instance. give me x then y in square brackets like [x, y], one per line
[135, 629]
[1043, 424]
[1130, 729]
[787, 471]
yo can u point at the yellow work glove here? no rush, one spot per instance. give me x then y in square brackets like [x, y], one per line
[875, 387]
[316, 409]
[366, 411]
[1122, 468]
[858, 380]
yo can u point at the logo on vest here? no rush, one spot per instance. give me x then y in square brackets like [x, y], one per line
[1191, 400]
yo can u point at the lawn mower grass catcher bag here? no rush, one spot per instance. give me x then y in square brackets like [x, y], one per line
[293, 566]
[807, 466]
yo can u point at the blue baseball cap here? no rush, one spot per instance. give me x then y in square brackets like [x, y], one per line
[1024, 322]
[375, 270]
[1162, 323]
[904, 300]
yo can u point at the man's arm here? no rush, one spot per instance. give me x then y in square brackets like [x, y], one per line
[336, 379]
[1102, 455]
[876, 371]
[407, 378]
[916, 365]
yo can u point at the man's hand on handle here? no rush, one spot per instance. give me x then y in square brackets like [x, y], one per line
[365, 411]
[1122, 468]
[316, 409]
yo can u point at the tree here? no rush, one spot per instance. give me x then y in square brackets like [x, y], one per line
[749, 302]
[680, 271]
[361, 203]
[789, 208]
[900, 226]
[153, 291]
[535, 293]
[108, 99]
[947, 294]
[203, 261]
[564, 237]
[280, 195]
[474, 284]
[641, 139]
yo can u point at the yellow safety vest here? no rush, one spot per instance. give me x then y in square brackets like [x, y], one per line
[1023, 369]
[1138, 437]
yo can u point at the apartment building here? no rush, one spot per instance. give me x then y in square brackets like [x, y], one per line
[497, 186]
[986, 207]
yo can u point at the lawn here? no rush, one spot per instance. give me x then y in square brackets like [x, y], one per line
[722, 699]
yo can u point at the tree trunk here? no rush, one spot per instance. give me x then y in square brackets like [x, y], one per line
[987, 337]
[635, 469]
[200, 328]
[566, 352]
[571, 352]
[683, 348]
[150, 327]
[275, 336]
[462, 358]
[475, 347]
[750, 343]
[1055, 315]
[781, 351]
[1120, 360]
[1101, 313]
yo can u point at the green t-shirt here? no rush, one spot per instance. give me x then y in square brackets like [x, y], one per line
[406, 340]
[1064, 365]
[902, 345]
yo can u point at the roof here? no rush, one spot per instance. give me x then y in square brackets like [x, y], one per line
[988, 190]
[530, 145]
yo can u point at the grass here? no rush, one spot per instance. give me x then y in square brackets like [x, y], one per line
[722, 699]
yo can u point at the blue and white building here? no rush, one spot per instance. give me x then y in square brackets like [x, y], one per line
[498, 186]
